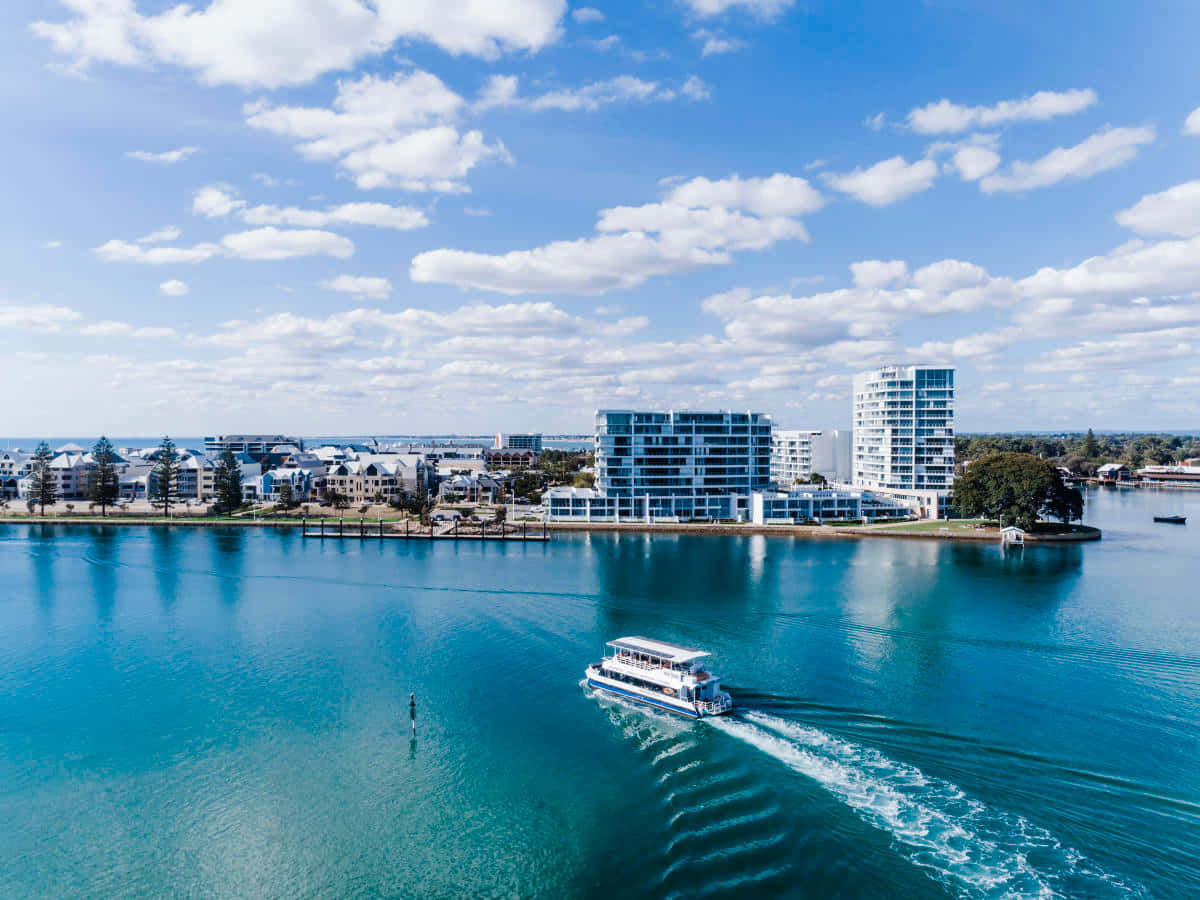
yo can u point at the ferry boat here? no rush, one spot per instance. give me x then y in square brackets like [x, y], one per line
[659, 674]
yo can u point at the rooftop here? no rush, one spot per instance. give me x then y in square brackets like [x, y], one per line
[660, 649]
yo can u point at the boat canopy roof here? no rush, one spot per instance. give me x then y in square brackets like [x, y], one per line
[672, 652]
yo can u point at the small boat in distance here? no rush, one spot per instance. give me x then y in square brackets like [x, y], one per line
[659, 674]
[1174, 520]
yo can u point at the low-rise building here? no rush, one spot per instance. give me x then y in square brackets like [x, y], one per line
[1113, 472]
[256, 446]
[378, 475]
[478, 488]
[14, 466]
[519, 442]
[824, 505]
[1178, 475]
[509, 459]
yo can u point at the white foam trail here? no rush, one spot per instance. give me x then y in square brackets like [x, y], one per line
[695, 763]
[738, 882]
[983, 852]
[711, 805]
[724, 825]
[677, 748]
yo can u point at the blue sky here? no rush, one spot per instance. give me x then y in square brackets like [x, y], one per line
[426, 215]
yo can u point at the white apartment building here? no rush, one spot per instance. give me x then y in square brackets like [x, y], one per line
[672, 465]
[791, 456]
[904, 434]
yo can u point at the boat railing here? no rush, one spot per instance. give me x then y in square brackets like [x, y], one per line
[712, 707]
[640, 664]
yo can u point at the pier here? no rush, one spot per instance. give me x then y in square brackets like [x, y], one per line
[453, 531]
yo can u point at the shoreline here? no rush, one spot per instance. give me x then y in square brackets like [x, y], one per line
[1083, 534]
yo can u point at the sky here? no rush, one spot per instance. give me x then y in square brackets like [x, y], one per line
[419, 216]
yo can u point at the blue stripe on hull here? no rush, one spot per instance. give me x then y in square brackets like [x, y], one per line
[642, 699]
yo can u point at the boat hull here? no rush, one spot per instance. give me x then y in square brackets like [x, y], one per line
[648, 699]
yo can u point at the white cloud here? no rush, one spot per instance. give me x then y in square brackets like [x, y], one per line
[498, 91]
[124, 329]
[216, 201]
[168, 157]
[364, 286]
[41, 317]
[265, 180]
[873, 273]
[605, 44]
[395, 132]
[778, 195]
[162, 236]
[589, 266]
[695, 89]
[761, 9]
[433, 159]
[128, 251]
[1175, 211]
[585, 14]
[229, 42]
[364, 111]
[1104, 150]
[173, 288]
[974, 163]
[51, 245]
[699, 223]
[1133, 269]
[274, 244]
[1192, 125]
[259, 244]
[885, 182]
[504, 91]
[713, 44]
[381, 215]
[943, 116]
[949, 275]
[591, 97]
[876, 122]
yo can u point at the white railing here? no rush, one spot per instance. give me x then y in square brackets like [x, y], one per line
[649, 667]
[712, 707]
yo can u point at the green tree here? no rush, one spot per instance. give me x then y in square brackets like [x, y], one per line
[104, 484]
[227, 482]
[817, 478]
[164, 477]
[43, 486]
[1091, 447]
[287, 497]
[336, 499]
[1017, 489]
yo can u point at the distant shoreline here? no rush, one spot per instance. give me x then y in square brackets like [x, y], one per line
[1082, 534]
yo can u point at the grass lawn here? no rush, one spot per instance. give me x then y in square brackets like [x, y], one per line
[941, 525]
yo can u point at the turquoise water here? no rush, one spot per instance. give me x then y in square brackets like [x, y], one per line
[219, 713]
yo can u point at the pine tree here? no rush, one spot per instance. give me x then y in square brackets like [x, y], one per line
[104, 483]
[227, 482]
[44, 484]
[165, 477]
[1091, 447]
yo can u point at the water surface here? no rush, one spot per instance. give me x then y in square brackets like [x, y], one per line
[224, 713]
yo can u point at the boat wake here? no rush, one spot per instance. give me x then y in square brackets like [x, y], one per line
[970, 847]
[724, 833]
